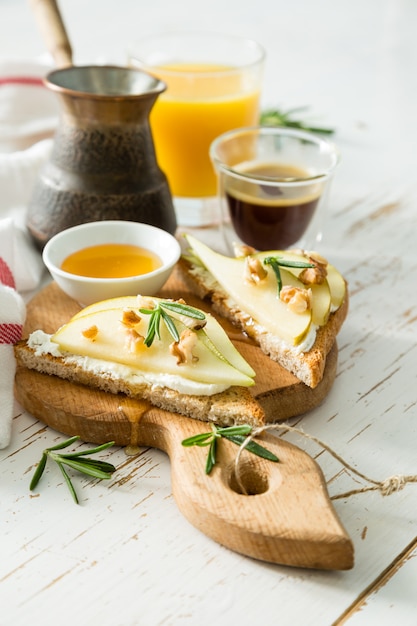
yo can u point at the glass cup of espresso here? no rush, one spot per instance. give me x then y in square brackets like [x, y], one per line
[273, 184]
[213, 85]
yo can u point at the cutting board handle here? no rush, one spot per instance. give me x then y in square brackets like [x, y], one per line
[287, 517]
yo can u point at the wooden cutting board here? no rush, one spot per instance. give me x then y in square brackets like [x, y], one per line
[284, 517]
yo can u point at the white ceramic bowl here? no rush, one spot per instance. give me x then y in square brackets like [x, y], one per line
[86, 290]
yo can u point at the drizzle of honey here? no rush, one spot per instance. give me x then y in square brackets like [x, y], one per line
[133, 410]
[111, 260]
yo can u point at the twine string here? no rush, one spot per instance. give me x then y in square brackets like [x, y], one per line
[386, 487]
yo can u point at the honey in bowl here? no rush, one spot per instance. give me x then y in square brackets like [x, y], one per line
[111, 260]
[270, 217]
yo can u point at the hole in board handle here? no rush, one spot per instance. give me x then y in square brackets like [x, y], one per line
[253, 478]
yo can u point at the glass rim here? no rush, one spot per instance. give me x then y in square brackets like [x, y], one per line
[278, 131]
[134, 57]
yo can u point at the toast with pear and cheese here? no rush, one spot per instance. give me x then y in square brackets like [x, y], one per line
[291, 303]
[174, 356]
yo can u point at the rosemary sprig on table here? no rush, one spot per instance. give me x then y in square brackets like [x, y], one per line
[90, 467]
[276, 262]
[278, 117]
[236, 434]
[159, 312]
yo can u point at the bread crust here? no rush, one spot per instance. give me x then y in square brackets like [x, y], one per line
[233, 406]
[306, 366]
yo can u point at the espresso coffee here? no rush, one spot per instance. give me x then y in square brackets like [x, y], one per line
[269, 216]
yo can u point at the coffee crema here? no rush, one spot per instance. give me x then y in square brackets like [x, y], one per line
[271, 217]
[111, 260]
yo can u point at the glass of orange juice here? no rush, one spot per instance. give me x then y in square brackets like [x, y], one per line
[213, 85]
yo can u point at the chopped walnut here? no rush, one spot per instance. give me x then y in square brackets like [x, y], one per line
[145, 302]
[254, 271]
[183, 348]
[241, 249]
[133, 340]
[317, 258]
[314, 275]
[130, 318]
[298, 300]
[90, 333]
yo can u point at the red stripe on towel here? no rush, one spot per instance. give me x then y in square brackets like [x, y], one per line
[22, 80]
[10, 333]
[6, 276]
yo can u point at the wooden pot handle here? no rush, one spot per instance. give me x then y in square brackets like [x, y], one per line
[53, 31]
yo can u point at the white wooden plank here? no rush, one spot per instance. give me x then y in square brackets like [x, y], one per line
[393, 599]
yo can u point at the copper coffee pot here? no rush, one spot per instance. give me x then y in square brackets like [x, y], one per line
[103, 164]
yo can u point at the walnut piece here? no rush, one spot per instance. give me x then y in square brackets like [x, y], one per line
[316, 257]
[314, 275]
[145, 302]
[254, 272]
[90, 333]
[133, 340]
[183, 348]
[241, 249]
[298, 300]
[130, 318]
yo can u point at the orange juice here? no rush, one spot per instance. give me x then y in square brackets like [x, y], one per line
[201, 102]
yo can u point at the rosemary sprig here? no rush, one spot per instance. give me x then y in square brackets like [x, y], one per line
[90, 467]
[278, 117]
[276, 262]
[235, 434]
[159, 312]
[183, 309]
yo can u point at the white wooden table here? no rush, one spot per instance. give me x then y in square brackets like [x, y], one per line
[126, 556]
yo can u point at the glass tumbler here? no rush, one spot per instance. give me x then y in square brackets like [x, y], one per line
[273, 185]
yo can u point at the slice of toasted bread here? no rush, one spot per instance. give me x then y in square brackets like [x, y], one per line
[232, 406]
[307, 366]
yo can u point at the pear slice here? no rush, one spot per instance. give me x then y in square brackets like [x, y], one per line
[321, 303]
[335, 280]
[337, 286]
[260, 301]
[111, 344]
[321, 293]
[121, 302]
[217, 338]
